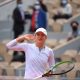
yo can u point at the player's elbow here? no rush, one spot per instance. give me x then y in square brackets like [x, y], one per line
[8, 46]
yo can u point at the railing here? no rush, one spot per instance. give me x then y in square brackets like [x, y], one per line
[69, 45]
[72, 18]
[6, 2]
[66, 25]
[22, 78]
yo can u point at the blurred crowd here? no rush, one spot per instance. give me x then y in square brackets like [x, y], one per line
[39, 18]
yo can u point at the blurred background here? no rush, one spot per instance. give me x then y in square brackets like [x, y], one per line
[62, 37]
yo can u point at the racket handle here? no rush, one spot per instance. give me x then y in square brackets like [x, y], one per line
[47, 74]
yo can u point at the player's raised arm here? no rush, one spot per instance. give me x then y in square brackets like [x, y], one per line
[16, 44]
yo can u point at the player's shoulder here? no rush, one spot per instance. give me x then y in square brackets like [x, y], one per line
[48, 48]
[49, 51]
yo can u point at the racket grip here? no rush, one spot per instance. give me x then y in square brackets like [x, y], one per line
[47, 74]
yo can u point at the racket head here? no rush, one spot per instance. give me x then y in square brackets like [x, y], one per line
[60, 68]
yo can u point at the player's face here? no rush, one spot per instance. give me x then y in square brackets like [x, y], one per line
[40, 38]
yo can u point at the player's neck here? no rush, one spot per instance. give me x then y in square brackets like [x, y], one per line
[40, 46]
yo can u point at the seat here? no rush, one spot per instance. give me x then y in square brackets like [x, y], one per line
[77, 58]
[13, 67]
[4, 53]
[61, 21]
[76, 2]
[71, 75]
[65, 57]
[5, 62]
[54, 3]
[5, 57]
[77, 65]
[57, 27]
[52, 42]
[69, 55]
[50, 22]
[62, 41]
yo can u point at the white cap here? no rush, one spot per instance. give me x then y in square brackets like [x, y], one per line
[41, 30]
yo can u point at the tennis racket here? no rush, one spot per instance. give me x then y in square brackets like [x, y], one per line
[59, 69]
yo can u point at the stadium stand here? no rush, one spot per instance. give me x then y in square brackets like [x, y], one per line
[57, 41]
[61, 22]
[11, 78]
[76, 3]
[69, 55]
[2, 1]
[52, 42]
[5, 58]
[69, 52]
[67, 46]
[77, 57]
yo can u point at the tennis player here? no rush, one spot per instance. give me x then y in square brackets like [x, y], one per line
[39, 57]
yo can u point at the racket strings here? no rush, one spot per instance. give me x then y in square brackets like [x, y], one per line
[62, 68]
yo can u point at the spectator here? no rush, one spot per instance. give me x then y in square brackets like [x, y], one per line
[43, 6]
[42, 19]
[18, 28]
[18, 19]
[33, 20]
[39, 17]
[75, 30]
[65, 12]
